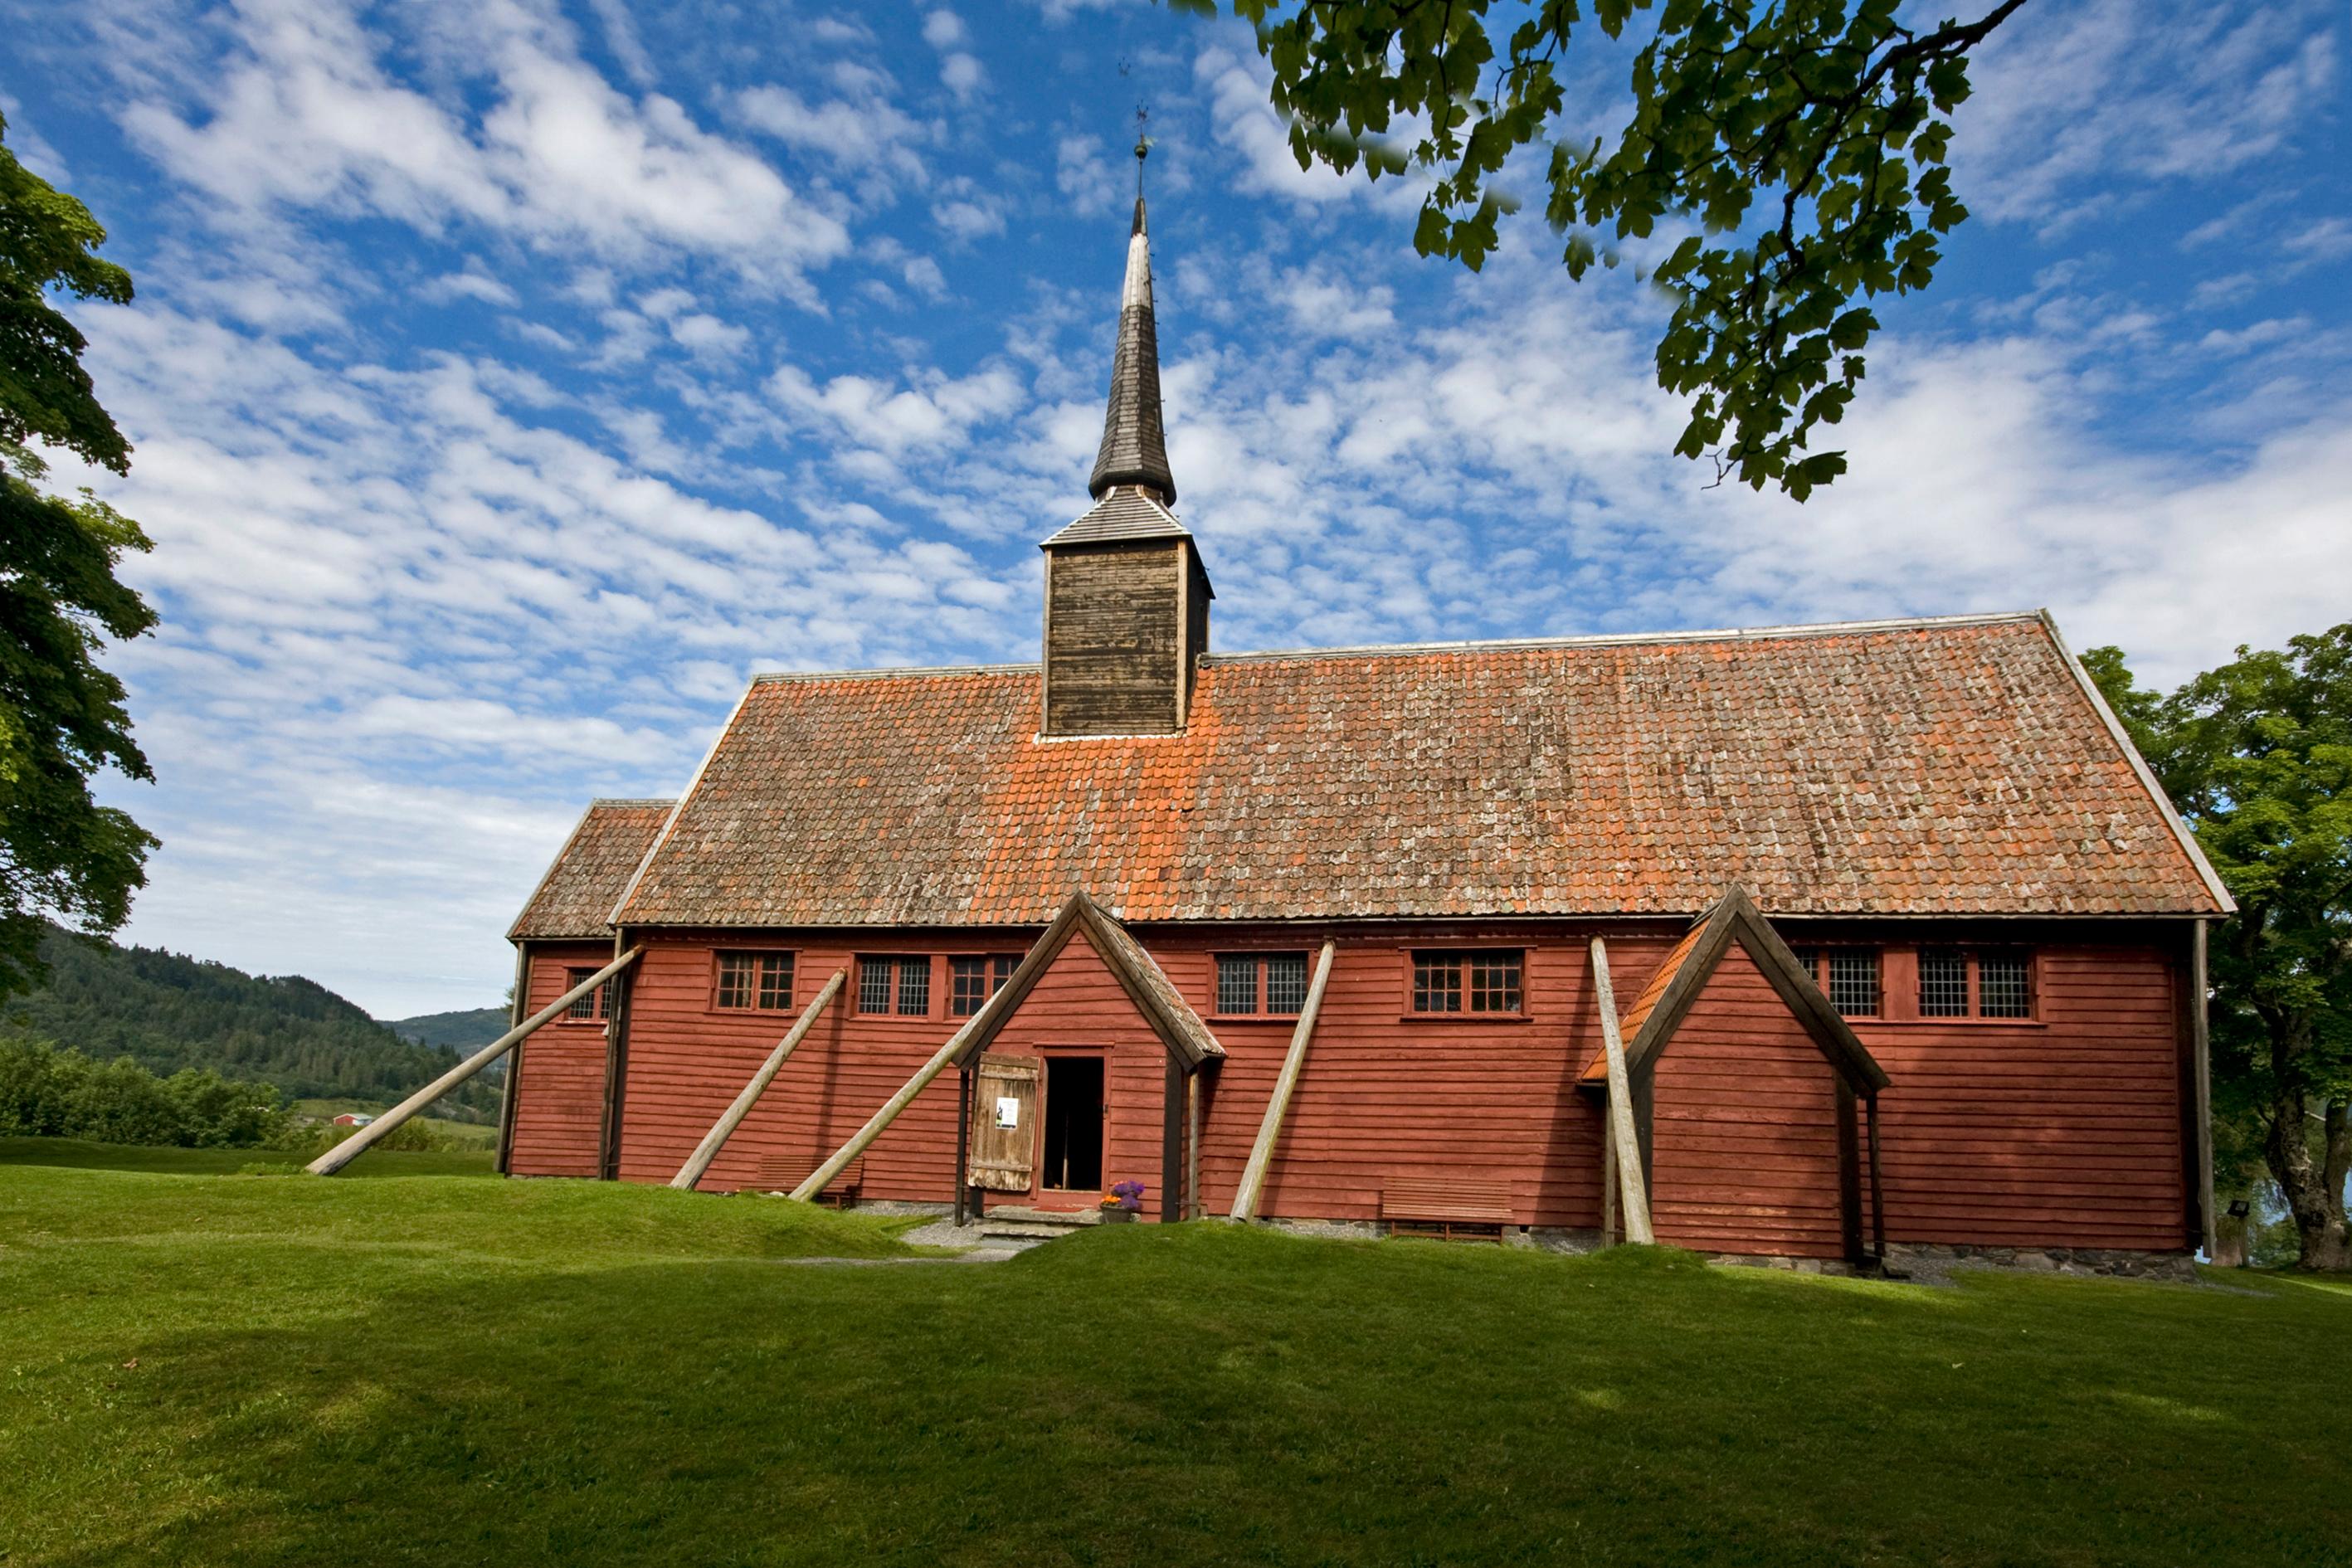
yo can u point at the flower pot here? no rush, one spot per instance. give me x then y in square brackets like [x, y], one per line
[1118, 1216]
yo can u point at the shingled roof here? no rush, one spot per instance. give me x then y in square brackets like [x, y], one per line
[1124, 514]
[1134, 448]
[1955, 767]
[576, 898]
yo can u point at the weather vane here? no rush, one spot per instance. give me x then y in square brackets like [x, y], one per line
[1142, 146]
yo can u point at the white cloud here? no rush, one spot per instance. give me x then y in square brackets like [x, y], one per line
[303, 115]
[2260, 335]
[1245, 122]
[1328, 306]
[966, 209]
[2316, 244]
[708, 335]
[621, 37]
[1083, 173]
[945, 30]
[862, 131]
[2074, 102]
[936, 412]
[470, 284]
[962, 75]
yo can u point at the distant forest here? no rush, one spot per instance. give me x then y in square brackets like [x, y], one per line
[466, 1030]
[167, 1011]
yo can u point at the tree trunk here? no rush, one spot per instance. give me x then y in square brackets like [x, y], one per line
[2317, 1208]
[2335, 1249]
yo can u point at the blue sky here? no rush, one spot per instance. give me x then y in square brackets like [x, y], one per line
[509, 381]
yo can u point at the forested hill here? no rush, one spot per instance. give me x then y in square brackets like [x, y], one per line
[167, 1011]
[470, 1029]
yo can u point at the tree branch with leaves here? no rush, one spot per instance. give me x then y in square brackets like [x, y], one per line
[1802, 145]
[64, 858]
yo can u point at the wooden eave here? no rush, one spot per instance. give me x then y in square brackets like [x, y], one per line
[1735, 917]
[1188, 1039]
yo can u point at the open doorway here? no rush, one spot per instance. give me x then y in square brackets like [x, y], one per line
[1074, 1124]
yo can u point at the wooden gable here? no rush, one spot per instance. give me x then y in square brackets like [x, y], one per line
[1178, 1028]
[1745, 1083]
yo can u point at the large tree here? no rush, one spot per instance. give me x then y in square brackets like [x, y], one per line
[63, 858]
[2258, 756]
[1797, 146]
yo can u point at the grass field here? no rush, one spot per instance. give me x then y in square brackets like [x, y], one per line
[465, 1134]
[284, 1369]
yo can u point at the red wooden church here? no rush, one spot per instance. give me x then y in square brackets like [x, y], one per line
[1903, 944]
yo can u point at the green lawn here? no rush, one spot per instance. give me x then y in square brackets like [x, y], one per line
[458, 1371]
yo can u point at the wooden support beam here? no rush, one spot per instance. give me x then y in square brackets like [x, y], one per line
[1193, 1145]
[1608, 1179]
[2201, 1046]
[1620, 1104]
[1261, 1159]
[875, 1124]
[616, 1073]
[509, 1093]
[358, 1143]
[1877, 1188]
[724, 1128]
[1171, 1141]
[963, 1146]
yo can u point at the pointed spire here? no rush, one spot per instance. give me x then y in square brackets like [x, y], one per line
[1134, 448]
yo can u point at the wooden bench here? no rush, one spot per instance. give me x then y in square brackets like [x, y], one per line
[782, 1173]
[1446, 1206]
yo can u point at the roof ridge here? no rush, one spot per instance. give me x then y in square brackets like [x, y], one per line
[596, 800]
[1589, 640]
[1605, 639]
[763, 677]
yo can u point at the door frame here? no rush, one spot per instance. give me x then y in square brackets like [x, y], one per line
[1048, 1056]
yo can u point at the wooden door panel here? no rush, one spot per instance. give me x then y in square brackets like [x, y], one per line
[1004, 1157]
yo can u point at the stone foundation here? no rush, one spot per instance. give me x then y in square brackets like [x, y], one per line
[1931, 1260]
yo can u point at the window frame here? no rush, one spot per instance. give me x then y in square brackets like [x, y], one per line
[1462, 953]
[990, 963]
[1261, 986]
[1819, 968]
[719, 955]
[1902, 971]
[1973, 954]
[898, 963]
[600, 1001]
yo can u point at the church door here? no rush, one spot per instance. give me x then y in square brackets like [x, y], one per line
[1004, 1125]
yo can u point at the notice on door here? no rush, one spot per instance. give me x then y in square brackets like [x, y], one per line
[1008, 1110]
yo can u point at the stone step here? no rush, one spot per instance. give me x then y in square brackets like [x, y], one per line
[1058, 1219]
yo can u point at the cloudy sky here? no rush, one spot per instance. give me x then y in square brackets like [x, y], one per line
[509, 381]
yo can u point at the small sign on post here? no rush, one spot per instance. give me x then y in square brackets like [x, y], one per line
[2229, 1236]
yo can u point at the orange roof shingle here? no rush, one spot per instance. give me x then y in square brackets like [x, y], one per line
[1956, 767]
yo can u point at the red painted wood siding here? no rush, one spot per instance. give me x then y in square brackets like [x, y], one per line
[2063, 1131]
[1744, 1146]
[560, 1113]
[688, 1059]
[1385, 1094]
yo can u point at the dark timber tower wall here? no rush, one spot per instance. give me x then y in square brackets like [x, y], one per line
[1126, 599]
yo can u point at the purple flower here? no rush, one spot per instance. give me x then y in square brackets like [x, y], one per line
[1129, 1193]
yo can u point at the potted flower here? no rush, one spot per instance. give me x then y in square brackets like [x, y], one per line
[1122, 1203]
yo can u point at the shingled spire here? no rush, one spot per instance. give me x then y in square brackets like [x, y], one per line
[1134, 449]
[1126, 599]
